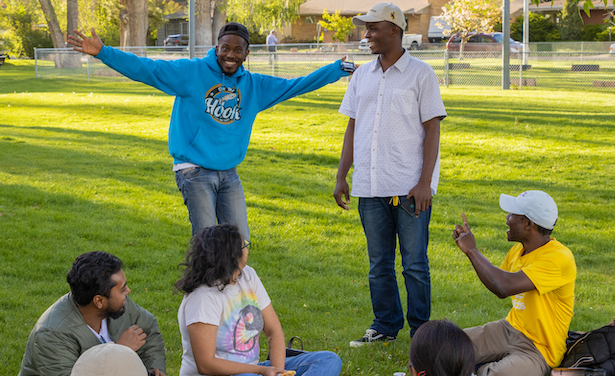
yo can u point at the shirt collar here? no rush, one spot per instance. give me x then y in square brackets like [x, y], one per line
[401, 64]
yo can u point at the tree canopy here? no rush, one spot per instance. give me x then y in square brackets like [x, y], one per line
[339, 25]
[262, 15]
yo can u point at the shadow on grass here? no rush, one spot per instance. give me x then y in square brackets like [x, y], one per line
[89, 155]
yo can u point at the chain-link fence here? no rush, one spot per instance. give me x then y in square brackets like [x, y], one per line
[573, 66]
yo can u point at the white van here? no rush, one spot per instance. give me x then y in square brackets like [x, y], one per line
[435, 33]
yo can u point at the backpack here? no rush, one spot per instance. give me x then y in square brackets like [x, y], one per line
[599, 345]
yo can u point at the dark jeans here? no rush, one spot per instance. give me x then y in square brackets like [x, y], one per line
[383, 224]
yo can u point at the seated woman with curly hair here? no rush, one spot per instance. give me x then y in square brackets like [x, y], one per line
[441, 348]
[224, 310]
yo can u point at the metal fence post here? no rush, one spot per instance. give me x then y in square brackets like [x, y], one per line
[35, 63]
[88, 67]
[582, 44]
[446, 65]
[522, 61]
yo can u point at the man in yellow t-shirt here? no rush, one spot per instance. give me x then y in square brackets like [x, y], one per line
[538, 274]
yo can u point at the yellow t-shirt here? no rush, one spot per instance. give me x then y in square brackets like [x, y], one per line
[544, 314]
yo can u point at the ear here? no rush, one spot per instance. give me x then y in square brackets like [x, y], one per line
[247, 53]
[99, 301]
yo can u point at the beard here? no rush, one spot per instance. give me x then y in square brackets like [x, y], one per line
[116, 314]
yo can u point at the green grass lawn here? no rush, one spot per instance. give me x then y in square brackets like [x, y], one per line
[84, 166]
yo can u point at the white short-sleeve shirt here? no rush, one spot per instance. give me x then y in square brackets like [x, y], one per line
[236, 311]
[389, 109]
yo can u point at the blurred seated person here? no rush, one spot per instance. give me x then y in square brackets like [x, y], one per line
[441, 348]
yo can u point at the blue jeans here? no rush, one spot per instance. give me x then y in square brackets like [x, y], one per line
[213, 195]
[319, 363]
[383, 224]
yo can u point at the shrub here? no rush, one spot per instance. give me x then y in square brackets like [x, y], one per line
[541, 29]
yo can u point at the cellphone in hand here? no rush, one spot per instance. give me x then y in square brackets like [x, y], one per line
[409, 206]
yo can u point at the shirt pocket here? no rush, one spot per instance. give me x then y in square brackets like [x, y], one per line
[405, 108]
[404, 102]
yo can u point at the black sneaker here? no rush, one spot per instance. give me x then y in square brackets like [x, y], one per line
[371, 335]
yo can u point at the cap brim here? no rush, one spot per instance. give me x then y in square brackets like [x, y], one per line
[508, 204]
[362, 20]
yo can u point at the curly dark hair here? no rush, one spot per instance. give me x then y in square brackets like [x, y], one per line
[212, 258]
[441, 348]
[91, 275]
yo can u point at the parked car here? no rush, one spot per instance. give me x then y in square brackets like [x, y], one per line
[177, 40]
[482, 42]
[409, 41]
[612, 51]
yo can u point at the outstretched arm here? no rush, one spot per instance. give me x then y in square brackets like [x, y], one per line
[498, 281]
[169, 76]
[288, 88]
[90, 46]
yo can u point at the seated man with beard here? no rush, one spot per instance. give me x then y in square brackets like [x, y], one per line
[97, 310]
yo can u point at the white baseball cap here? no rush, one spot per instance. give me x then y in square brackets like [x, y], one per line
[109, 359]
[538, 206]
[382, 12]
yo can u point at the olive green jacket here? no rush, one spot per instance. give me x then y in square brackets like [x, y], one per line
[61, 335]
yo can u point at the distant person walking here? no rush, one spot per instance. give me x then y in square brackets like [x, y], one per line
[271, 45]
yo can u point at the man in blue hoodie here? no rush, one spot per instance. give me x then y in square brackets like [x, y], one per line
[216, 102]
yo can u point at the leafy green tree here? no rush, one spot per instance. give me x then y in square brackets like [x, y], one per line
[261, 15]
[339, 25]
[19, 17]
[541, 29]
[571, 23]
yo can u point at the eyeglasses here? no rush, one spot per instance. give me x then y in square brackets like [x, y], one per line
[246, 245]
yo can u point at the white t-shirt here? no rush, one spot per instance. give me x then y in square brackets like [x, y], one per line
[389, 109]
[236, 311]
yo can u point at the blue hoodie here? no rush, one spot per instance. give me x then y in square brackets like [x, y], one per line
[213, 113]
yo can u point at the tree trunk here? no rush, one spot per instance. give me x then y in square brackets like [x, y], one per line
[133, 23]
[54, 29]
[219, 21]
[202, 23]
[72, 23]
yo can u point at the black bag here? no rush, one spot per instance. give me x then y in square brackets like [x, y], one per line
[290, 352]
[594, 349]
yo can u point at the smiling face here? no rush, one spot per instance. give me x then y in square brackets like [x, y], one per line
[232, 51]
[382, 36]
[115, 303]
[517, 227]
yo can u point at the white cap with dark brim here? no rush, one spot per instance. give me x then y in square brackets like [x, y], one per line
[382, 12]
[537, 206]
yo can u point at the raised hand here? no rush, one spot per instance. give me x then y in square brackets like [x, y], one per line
[463, 236]
[90, 46]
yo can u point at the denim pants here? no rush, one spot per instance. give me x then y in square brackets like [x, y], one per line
[383, 224]
[319, 363]
[212, 195]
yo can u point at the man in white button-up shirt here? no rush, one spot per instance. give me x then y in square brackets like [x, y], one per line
[393, 137]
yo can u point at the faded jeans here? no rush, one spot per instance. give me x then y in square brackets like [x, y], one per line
[319, 363]
[213, 197]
